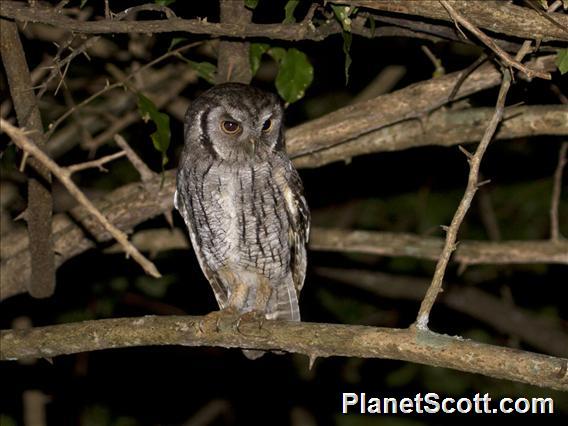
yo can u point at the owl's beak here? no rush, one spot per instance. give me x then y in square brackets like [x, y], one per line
[253, 146]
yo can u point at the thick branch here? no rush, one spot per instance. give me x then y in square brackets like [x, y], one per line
[446, 128]
[467, 252]
[40, 204]
[496, 16]
[233, 60]
[507, 60]
[543, 333]
[414, 101]
[314, 340]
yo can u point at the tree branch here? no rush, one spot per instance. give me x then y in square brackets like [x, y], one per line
[314, 340]
[233, 58]
[445, 128]
[430, 248]
[472, 186]
[414, 101]
[512, 20]
[40, 204]
[64, 176]
[496, 16]
[507, 60]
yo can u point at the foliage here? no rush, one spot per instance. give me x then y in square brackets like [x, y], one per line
[562, 61]
[295, 72]
[161, 137]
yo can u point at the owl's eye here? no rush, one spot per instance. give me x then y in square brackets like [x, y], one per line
[230, 127]
[267, 126]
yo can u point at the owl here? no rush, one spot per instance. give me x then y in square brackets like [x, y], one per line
[242, 201]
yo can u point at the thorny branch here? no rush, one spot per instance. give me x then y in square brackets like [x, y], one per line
[459, 19]
[312, 339]
[21, 139]
[40, 203]
[472, 186]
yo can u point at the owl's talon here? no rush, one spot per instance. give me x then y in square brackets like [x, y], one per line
[251, 316]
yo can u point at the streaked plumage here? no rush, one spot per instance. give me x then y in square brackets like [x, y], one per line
[242, 201]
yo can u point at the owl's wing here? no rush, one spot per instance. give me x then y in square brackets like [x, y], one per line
[219, 289]
[299, 214]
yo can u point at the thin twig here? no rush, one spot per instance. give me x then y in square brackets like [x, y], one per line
[20, 138]
[557, 188]
[146, 174]
[492, 45]
[472, 186]
[64, 116]
[74, 168]
[465, 73]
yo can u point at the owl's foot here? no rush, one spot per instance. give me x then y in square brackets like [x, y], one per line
[219, 319]
[251, 317]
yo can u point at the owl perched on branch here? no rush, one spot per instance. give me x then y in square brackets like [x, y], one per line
[241, 199]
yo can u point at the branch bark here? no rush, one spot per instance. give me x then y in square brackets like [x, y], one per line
[233, 63]
[40, 204]
[496, 16]
[512, 21]
[445, 128]
[314, 340]
[412, 102]
[467, 252]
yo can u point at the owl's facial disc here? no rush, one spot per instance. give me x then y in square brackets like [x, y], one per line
[238, 133]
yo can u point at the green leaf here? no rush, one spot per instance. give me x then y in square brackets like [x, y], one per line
[277, 53]
[205, 70]
[342, 14]
[294, 76]
[161, 137]
[562, 61]
[82, 4]
[289, 11]
[251, 4]
[256, 51]
[175, 41]
[164, 2]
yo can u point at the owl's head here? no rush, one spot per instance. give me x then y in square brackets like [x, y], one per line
[235, 122]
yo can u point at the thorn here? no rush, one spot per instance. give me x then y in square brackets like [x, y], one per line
[22, 216]
[465, 152]
[313, 358]
[445, 228]
[168, 215]
[483, 182]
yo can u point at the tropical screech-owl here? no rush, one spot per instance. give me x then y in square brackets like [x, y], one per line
[241, 199]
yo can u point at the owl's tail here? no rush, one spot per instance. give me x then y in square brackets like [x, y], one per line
[287, 307]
